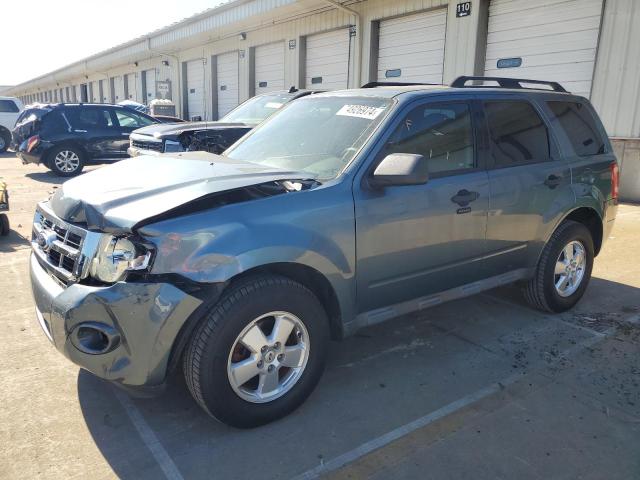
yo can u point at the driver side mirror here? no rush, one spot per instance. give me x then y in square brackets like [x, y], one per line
[399, 169]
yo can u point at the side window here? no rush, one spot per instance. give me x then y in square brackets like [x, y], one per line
[89, 118]
[517, 133]
[578, 123]
[442, 133]
[131, 120]
[8, 106]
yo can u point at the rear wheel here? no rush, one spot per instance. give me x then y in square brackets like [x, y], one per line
[259, 353]
[5, 139]
[564, 269]
[66, 161]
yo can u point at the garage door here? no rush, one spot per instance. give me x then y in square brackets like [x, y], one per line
[411, 48]
[150, 84]
[195, 89]
[227, 78]
[132, 91]
[269, 67]
[118, 89]
[95, 92]
[104, 91]
[556, 41]
[327, 64]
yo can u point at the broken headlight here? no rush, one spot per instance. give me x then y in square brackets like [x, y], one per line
[117, 256]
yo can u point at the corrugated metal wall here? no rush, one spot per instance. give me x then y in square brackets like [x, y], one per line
[616, 83]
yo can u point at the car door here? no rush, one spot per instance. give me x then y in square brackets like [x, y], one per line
[413, 241]
[126, 122]
[94, 127]
[528, 179]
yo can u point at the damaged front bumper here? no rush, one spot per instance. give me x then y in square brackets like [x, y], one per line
[123, 333]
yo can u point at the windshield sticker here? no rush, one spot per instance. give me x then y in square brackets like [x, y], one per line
[273, 105]
[361, 111]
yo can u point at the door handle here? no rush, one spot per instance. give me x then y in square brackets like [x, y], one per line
[464, 197]
[553, 181]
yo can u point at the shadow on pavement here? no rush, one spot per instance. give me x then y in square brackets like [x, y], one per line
[46, 177]
[382, 378]
[12, 242]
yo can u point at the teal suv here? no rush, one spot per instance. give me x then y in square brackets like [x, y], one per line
[342, 210]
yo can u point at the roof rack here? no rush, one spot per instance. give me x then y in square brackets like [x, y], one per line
[395, 84]
[504, 82]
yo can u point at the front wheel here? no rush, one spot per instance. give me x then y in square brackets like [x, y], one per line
[67, 161]
[564, 269]
[259, 353]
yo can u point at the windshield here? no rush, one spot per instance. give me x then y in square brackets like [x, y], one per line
[316, 135]
[257, 109]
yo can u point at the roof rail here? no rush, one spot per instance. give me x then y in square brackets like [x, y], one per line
[395, 84]
[504, 82]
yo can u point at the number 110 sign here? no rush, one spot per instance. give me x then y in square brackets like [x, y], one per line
[463, 9]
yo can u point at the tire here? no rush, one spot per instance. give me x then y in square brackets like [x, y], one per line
[63, 159]
[211, 352]
[5, 140]
[4, 225]
[541, 291]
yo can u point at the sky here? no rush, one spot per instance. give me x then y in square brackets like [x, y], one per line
[38, 36]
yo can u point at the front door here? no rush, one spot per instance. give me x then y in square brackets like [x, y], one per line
[127, 122]
[417, 240]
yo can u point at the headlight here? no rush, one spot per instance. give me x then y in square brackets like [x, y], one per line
[116, 256]
[171, 146]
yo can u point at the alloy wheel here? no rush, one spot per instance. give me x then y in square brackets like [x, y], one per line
[570, 268]
[268, 357]
[67, 161]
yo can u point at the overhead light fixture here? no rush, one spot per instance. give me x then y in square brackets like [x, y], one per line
[135, 63]
[242, 36]
[165, 63]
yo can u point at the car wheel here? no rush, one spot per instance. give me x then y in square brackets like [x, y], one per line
[66, 161]
[4, 225]
[564, 269]
[259, 353]
[5, 139]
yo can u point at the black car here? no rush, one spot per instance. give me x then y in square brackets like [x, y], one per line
[66, 137]
[213, 137]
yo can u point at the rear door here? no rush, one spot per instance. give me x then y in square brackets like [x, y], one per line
[95, 127]
[415, 241]
[529, 180]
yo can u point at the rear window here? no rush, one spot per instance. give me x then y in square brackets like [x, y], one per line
[518, 134]
[578, 123]
[8, 106]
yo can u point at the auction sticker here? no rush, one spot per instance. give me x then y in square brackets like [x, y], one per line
[273, 105]
[361, 111]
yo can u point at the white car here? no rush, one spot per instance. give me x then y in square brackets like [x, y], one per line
[10, 108]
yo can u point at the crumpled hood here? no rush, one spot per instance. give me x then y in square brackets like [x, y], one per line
[117, 197]
[160, 130]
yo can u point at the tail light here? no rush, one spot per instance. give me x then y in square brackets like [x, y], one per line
[615, 180]
[32, 143]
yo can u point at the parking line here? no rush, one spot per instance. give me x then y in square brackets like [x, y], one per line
[389, 437]
[149, 438]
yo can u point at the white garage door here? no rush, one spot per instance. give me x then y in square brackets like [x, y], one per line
[227, 78]
[555, 40]
[269, 67]
[150, 84]
[104, 91]
[132, 90]
[327, 64]
[95, 93]
[195, 89]
[118, 89]
[411, 48]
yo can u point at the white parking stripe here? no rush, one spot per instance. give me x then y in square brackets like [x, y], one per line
[148, 436]
[383, 440]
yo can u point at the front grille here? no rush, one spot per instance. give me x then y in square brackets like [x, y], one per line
[144, 145]
[62, 248]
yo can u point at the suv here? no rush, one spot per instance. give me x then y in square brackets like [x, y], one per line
[10, 109]
[66, 137]
[342, 210]
[213, 137]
